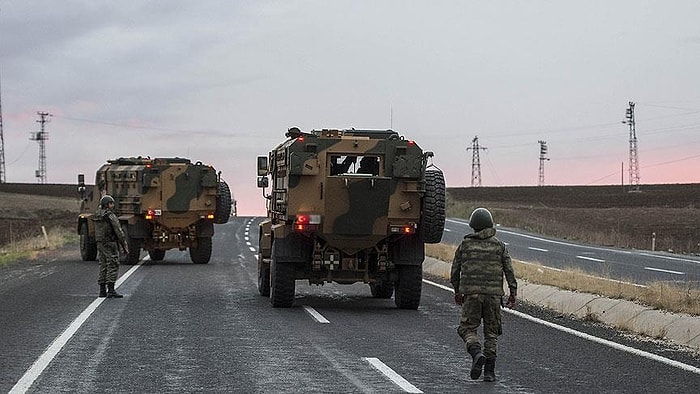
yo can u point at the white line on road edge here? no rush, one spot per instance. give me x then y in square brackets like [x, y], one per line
[389, 373]
[590, 258]
[45, 359]
[317, 316]
[666, 271]
[252, 249]
[591, 338]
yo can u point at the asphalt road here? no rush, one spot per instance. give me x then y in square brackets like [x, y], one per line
[637, 266]
[204, 328]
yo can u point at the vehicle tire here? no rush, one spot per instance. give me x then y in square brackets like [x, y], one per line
[408, 287]
[223, 203]
[134, 245]
[88, 247]
[156, 254]
[282, 278]
[263, 277]
[383, 289]
[201, 254]
[433, 212]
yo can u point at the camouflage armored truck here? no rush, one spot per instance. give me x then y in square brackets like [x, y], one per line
[162, 203]
[348, 206]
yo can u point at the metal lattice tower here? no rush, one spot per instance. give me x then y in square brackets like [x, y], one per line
[543, 158]
[476, 163]
[41, 137]
[3, 172]
[634, 159]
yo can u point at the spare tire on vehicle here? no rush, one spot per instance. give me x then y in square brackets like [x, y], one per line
[223, 203]
[433, 217]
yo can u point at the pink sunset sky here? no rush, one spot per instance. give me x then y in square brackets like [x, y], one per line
[220, 82]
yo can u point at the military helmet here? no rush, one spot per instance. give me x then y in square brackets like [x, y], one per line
[480, 219]
[106, 199]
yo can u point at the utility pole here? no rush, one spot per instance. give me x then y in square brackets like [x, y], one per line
[476, 163]
[543, 158]
[3, 172]
[634, 159]
[41, 137]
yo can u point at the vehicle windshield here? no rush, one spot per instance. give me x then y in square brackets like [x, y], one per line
[354, 164]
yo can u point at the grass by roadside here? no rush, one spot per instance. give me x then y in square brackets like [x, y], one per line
[658, 295]
[29, 248]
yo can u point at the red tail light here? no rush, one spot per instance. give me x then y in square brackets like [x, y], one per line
[307, 222]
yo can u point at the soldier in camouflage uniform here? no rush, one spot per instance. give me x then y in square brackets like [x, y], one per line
[478, 268]
[109, 237]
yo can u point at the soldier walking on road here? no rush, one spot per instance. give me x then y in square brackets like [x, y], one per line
[480, 263]
[109, 237]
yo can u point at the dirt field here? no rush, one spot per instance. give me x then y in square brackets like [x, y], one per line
[605, 215]
[22, 215]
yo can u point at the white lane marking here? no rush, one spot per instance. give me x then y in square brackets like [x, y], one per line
[583, 246]
[538, 249]
[667, 271]
[447, 230]
[252, 249]
[314, 313]
[591, 338]
[26, 381]
[658, 256]
[247, 238]
[590, 259]
[404, 384]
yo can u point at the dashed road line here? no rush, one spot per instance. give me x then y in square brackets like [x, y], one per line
[404, 384]
[590, 259]
[538, 249]
[252, 249]
[666, 271]
[314, 313]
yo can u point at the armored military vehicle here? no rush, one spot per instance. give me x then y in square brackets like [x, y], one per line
[162, 203]
[348, 206]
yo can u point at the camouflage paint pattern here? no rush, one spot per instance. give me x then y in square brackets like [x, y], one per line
[182, 195]
[356, 209]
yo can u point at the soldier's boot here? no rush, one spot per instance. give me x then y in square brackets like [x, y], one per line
[478, 360]
[111, 293]
[490, 370]
[103, 290]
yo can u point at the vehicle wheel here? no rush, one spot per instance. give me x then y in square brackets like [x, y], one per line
[134, 249]
[202, 252]
[223, 203]
[156, 254]
[433, 218]
[282, 278]
[408, 287]
[88, 247]
[263, 276]
[384, 289]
